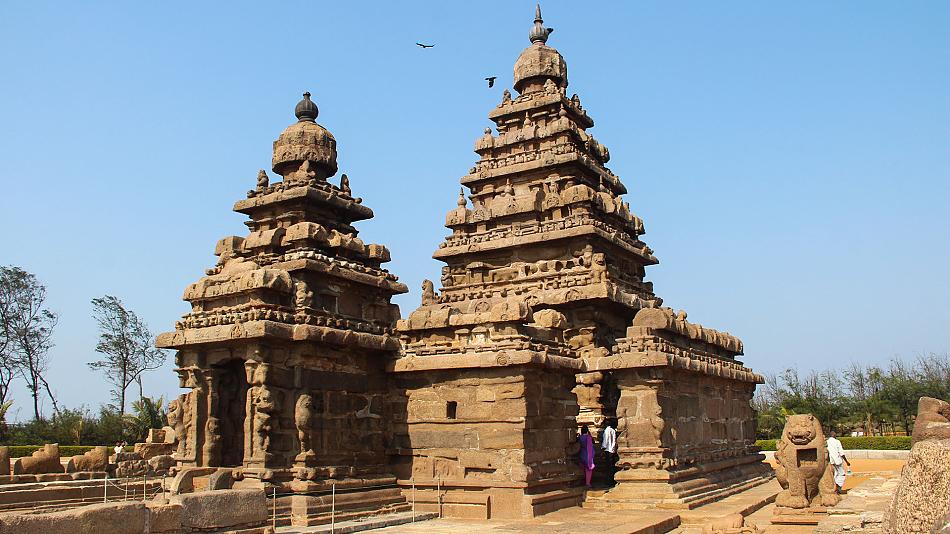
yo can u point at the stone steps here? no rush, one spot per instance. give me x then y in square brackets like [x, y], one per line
[663, 499]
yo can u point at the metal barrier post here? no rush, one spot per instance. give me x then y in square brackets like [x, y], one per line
[105, 489]
[438, 494]
[274, 520]
[413, 480]
[332, 508]
[144, 486]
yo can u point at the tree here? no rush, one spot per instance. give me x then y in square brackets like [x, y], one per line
[29, 326]
[8, 365]
[148, 413]
[126, 342]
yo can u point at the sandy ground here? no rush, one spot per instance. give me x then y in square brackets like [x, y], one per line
[863, 470]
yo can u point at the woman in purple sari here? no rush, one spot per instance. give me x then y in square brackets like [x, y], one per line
[586, 454]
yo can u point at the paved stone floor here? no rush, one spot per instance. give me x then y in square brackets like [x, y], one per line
[560, 522]
[644, 522]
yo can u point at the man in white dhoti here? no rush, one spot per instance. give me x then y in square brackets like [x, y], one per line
[838, 460]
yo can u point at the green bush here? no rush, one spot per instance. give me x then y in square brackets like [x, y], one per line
[876, 443]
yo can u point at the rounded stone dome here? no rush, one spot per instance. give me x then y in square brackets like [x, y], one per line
[305, 140]
[540, 61]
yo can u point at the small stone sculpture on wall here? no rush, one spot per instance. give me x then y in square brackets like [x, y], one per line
[304, 420]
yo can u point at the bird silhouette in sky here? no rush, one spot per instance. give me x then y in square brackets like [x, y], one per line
[491, 81]
[425, 45]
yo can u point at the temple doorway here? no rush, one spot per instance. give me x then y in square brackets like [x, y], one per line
[609, 396]
[228, 409]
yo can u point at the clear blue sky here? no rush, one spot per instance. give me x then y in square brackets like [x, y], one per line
[791, 160]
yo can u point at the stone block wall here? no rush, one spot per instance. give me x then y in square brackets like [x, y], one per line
[694, 432]
[507, 430]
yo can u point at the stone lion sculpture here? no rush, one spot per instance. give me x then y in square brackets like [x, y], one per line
[806, 476]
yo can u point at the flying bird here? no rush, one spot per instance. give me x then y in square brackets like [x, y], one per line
[491, 81]
[425, 45]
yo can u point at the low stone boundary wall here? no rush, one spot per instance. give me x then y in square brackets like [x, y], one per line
[181, 514]
[862, 454]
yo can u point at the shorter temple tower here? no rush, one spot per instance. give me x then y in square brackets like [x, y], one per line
[285, 347]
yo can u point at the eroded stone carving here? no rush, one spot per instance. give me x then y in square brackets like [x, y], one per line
[304, 420]
[921, 503]
[95, 460]
[428, 293]
[933, 419]
[803, 469]
[45, 460]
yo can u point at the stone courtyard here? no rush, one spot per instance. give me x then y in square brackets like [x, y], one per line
[313, 405]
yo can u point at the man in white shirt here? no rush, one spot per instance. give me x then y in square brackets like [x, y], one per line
[608, 442]
[837, 459]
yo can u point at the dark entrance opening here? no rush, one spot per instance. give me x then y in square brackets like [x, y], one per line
[229, 409]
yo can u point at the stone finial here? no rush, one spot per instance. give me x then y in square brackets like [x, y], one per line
[262, 179]
[306, 110]
[461, 201]
[539, 34]
[345, 185]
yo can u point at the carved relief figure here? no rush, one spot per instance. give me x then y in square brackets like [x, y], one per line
[599, 267]
[212, 448]
[803, 470]
[262, 180]
[486, 141]
[176, 420]
[428, 293]
[187, 438]
[303, 298]
[265, 405]
[302, 174]
[345, 185]
[304, 419]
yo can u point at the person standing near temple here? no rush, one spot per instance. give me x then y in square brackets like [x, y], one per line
[837, 459]
[586, 454]
[608, 442]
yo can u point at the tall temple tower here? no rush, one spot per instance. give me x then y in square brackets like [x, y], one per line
[285, 347]
[545, 321]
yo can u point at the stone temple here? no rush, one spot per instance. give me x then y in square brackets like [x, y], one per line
[301, 372]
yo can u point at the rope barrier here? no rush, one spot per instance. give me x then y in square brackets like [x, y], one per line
[340, 490]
